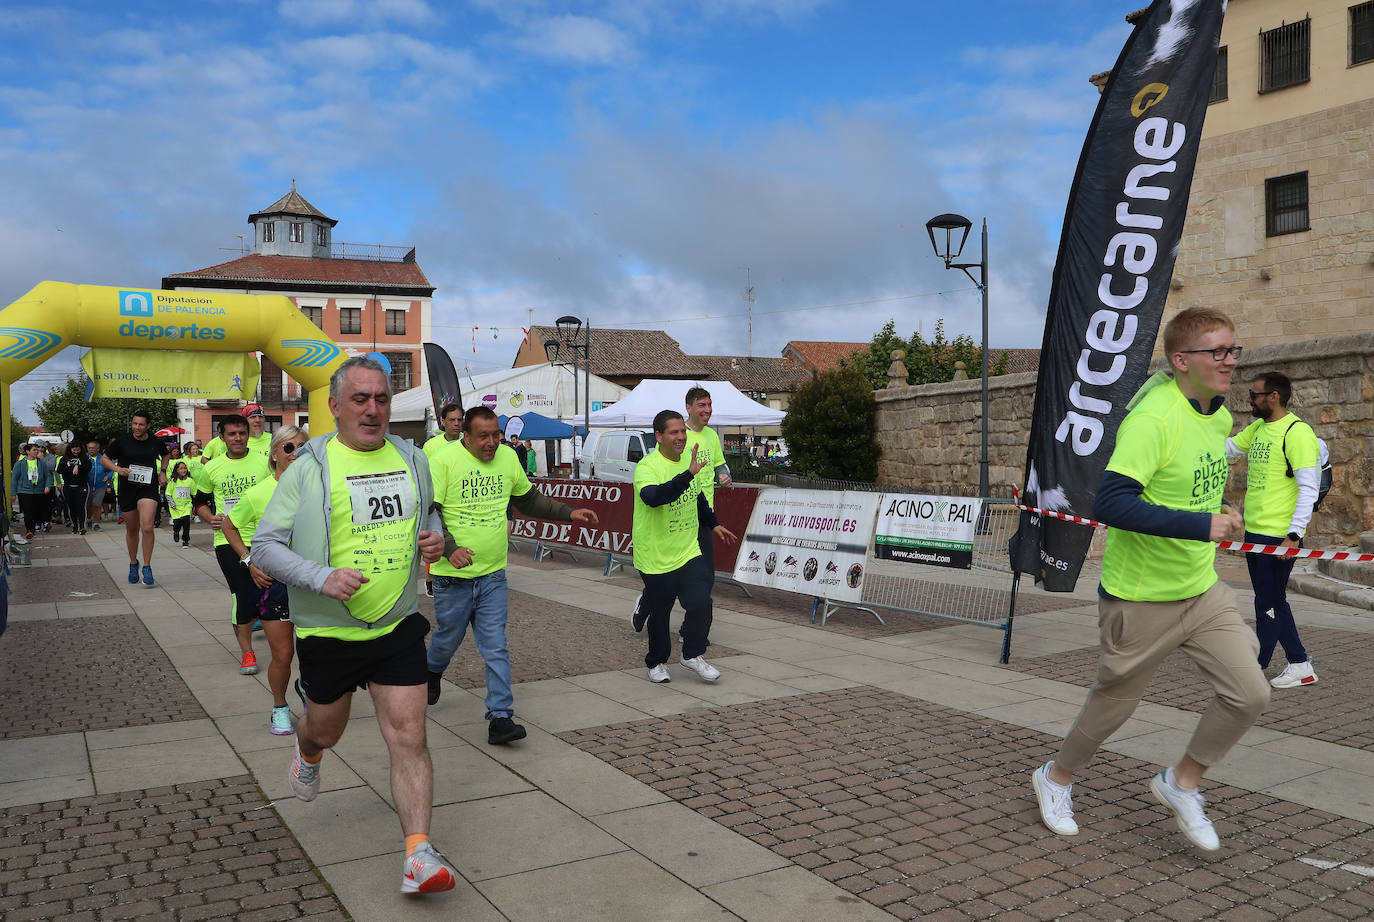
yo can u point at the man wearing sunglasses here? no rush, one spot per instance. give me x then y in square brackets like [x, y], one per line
[1280, 493]
[1161, 496]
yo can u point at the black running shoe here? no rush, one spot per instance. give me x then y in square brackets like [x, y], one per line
[434, 678]
[503, 730]
[640, 614]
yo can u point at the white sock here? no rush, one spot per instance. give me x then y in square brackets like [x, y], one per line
[1045, 773]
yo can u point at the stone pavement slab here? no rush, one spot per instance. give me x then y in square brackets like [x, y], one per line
[63, 675]
[924, 810]
[211, 849]
[1338, 709]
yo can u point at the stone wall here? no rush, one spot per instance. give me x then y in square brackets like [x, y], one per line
[929, 434]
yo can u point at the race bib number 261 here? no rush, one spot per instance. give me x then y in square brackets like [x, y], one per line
[388, 497]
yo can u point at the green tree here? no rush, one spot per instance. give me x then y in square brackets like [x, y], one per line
[926, 362]
[19, 433]
[829, 427]
[66, 407]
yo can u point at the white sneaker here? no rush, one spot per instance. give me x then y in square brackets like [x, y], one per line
[702, 668]
[1056, 804]
[1294, 675]
[659, 674]
[1187, 807]
[425, 872]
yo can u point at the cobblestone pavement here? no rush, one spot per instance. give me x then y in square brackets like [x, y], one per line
[928, 812]
[96, 673]
[548, 640]
[207, 850]
[1338, 709]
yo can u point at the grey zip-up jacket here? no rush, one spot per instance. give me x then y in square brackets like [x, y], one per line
[292, 541]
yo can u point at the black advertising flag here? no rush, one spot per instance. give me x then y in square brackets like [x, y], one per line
[443, 379]
[1116, 256]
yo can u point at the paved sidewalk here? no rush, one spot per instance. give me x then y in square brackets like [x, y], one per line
[845, 772]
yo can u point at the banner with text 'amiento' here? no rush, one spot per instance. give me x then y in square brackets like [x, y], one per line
[933, 530]
[140, 373]
[809, 541]
[1121, 233]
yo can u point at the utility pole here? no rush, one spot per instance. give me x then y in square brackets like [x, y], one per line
[749, 302]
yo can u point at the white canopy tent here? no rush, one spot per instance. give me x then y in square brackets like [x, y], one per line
[729, 407]
[546, 389]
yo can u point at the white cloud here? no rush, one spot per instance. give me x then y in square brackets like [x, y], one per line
[351, 12]
[575, 39]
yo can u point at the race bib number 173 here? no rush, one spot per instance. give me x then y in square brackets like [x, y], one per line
[388, 497]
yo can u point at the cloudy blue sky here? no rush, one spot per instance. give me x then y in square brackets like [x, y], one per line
[622, 160]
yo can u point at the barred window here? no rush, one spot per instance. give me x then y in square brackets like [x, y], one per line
[269, 232]
[1285, 205]
[297, 232]
[400, 370]
[321, 235]
[350, 320]
[395, 323]
[1362, 33]
[1219, 78]
[1285, 55]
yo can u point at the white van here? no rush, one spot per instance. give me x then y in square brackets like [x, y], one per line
[611, 454]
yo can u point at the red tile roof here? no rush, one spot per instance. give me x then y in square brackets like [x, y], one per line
[360, 273]
[646, 353]
[756, 374]
[816, 356]
[1018, 360]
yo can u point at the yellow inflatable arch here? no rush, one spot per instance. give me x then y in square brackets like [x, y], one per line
[55, 315]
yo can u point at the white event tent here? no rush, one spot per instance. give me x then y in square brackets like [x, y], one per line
[729, 407]
[546, 389]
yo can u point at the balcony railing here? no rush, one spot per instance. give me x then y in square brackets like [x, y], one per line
[373, 251]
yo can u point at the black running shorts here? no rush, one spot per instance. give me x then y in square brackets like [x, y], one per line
[331, 668]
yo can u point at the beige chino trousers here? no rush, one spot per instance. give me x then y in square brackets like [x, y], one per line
[1135, 639]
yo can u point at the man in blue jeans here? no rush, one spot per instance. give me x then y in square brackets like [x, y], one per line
[1281, 491]
[473, 485]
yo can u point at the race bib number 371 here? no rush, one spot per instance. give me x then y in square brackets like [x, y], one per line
[388, 497]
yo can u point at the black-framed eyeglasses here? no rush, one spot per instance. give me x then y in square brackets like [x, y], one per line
[289, 448]
[1256, 395]
[1219, 353]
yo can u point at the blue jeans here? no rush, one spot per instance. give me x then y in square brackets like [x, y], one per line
[480, 602]
[1274, 624]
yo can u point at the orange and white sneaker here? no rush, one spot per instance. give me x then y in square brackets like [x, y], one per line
[425, 872]
[249, 664]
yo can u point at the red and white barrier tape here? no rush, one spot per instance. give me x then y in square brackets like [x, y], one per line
[1243, 547]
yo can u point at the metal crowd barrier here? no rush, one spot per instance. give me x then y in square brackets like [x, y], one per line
[984, 594]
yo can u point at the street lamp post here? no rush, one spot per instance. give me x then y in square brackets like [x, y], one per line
[953, 224]
[568, 328]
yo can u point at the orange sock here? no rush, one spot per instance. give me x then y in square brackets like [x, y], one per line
[414, 842]
[315, 761]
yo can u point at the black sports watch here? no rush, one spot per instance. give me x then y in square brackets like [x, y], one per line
[1294, 536]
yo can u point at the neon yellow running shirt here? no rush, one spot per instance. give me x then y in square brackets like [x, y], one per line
[474, 496]
[1270, 494]
[228, 479]
[709, 451]
[251, 505]
[665, 537]
[372, 529]
[1179, 455]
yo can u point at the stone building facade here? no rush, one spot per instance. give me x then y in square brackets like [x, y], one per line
[929, 434]
[1280, 227]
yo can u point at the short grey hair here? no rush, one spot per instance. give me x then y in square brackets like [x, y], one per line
[358, 361]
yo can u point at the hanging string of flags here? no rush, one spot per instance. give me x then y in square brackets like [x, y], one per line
[1241, 547]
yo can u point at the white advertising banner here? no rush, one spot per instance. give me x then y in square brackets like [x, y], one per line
[809, 541]
[933, 530]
